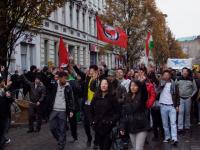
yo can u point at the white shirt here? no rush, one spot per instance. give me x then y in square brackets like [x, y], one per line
[126, 84]
[165, 96]
[60, 104]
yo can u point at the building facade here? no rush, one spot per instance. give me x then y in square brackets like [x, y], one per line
[191, 47]
[76, 23]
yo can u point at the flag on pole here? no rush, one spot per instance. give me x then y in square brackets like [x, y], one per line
[113, 35]
[149, 43]
[63, 53]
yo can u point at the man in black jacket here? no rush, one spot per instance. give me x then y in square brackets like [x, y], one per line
[62, 100]
[37, 93]
[5, 103]
[90, 86]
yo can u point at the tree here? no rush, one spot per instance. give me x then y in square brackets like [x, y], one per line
[17, 16]
[174, 47]
[132, 16]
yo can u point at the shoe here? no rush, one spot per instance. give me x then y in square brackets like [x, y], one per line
[95, 146]
[30, 131]
[174, 142]
[89, 143]
[166, 141]
[7, 141]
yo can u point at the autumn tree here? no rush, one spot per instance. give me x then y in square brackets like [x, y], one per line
[174, 46]
[132, 16]
[17, 16]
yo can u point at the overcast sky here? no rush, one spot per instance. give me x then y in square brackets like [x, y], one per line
[183, 16]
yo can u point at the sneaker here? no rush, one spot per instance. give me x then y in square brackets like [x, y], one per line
[166, 141]
[7, 141]
[174, 142]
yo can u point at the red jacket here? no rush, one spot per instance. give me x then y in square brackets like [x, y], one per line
[151, 95]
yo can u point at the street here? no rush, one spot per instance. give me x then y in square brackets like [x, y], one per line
[20, 140]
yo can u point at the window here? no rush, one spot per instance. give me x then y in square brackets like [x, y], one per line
[56, 27]
[45, 52]
[78, 55]
[93, 58]
[55, 54]
[95, 29]
[32, 55]
[83, 21]
[90, 24]
[77, 19]
[46, 24]
[71, 16]
[56, 15]
[84, 56]
[63, 15]
[24, 56]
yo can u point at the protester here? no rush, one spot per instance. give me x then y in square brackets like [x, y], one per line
[120, 77]
[90, 87]
[5, 103]
[134, 118]
[116, 88]
[169, 105]
[15, 86]
[61, 105]
[155, 109]
[187, 89]
[105, 112]
[37, 95]
[76, 88]
[30, 75]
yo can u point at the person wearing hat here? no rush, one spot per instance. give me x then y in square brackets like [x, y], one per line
[5, 103]
[37, 95]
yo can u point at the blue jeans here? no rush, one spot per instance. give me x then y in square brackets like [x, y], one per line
[168, 113]
[184, 114]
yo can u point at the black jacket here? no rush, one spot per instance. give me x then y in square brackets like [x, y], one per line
[134, 113]
[86, 79]
[36, 94]
[5, 104]
[104, 113]
[69, 97]
[15, 82]
[119, 91]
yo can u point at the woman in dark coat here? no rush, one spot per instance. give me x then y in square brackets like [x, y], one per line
[134, 114]
[105, 112]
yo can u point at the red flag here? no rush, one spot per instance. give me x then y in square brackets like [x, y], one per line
[63, 53]
[112, 35]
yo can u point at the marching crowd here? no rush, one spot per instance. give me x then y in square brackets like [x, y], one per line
[120, 106]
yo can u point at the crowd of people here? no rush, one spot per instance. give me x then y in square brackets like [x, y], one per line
[120, 106]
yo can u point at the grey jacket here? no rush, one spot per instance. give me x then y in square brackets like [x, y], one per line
[174, 92]
[187, 87]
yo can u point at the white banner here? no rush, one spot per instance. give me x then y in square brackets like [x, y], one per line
[179, 63]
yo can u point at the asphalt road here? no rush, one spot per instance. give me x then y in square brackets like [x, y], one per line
[44, 140]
